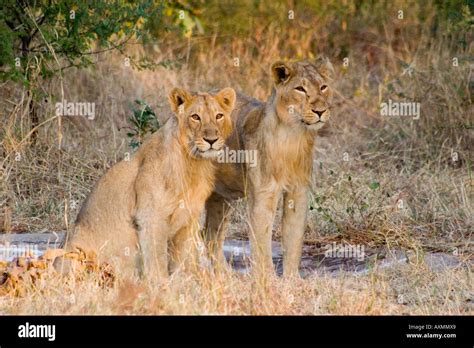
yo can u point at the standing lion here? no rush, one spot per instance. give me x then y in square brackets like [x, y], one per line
[282, 131]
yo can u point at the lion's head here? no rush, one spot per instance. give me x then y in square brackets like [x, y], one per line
[303, 92]
[204, 120]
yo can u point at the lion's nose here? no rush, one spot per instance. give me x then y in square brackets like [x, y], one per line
[211, 141]
[319, 113]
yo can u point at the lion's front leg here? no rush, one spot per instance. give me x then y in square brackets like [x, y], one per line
[262, 209]
[217, 222]
[184, 248]
[294, 221]
[153, 243]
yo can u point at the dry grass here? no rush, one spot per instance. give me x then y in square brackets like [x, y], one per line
[411, 160]
[406, 289]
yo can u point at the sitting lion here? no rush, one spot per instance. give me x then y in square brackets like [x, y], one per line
[140, 206]
[282, 133]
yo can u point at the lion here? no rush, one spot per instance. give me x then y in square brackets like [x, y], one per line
[282, 132]
[144, 212]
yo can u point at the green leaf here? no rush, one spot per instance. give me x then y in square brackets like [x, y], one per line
[374, 185]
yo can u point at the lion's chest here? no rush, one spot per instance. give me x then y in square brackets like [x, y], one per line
[188, 206]
[287, 158]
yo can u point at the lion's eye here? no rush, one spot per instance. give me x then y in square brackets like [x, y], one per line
[195, 117]
[323, 88]
[219, 116]
[301, 89]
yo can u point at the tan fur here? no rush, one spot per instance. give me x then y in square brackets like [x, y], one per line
[140, 206]
[282, 131]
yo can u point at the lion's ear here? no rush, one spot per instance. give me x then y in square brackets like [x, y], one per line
[324, 67]
[226, 97]
[281, 72]
[177, 98]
